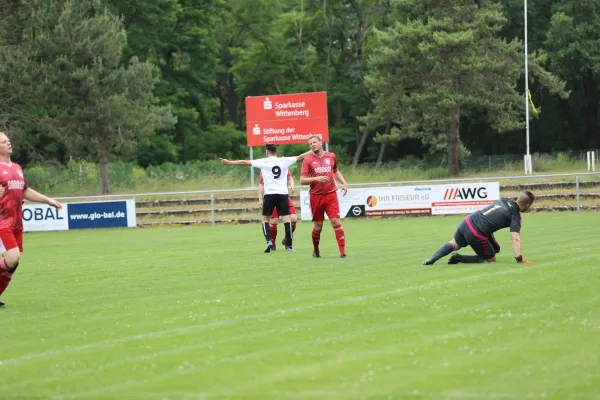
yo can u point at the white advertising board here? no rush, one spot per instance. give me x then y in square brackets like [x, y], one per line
[400, 200]
[463, 198]
[86, 215]
[352, 205]
[42, 217]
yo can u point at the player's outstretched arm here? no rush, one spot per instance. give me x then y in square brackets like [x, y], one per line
[225, 161]
[340, 178]
[32, 195]
[303, 155]
[516, 245]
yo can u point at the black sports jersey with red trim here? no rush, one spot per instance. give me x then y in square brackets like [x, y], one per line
[500, 214]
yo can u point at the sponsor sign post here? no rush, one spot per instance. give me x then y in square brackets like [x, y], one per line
[285, 119]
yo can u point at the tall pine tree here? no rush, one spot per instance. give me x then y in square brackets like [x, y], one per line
[73, 52]
[445, 57]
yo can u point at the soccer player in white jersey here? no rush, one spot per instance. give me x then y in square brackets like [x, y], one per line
[274, 171]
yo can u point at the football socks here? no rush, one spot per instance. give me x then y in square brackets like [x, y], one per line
[5, 278]
[441, 252]
[293, 230]
[316, 238]
[266, 231]
[474, 259]
[341, 238]
[273, 230]
[288, 234]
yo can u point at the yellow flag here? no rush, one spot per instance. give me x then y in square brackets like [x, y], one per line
[531, 101]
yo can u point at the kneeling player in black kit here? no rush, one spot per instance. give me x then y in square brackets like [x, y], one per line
[477, 231]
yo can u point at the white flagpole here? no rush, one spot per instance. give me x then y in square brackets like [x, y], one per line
[528, 164]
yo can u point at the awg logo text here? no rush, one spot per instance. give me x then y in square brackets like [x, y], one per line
[465, 193]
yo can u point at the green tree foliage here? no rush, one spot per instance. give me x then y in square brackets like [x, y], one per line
[445, 58]
[439, 77]
[180, 37]
[21, 114]
[290, 46]
[573, 43]
[72, 51]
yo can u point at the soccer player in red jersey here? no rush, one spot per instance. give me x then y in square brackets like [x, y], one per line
[275, 215]
[320, 171]
[13, 189]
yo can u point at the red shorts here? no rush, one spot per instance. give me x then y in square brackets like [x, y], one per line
[275, 214]
[321, 204]
[10, 239]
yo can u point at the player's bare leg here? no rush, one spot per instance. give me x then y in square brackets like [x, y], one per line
[443, 251]
[316, 238]
[8, 266]
[340, 236]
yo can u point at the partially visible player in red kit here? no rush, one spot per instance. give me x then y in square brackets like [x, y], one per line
[320, 171]
[13, 189]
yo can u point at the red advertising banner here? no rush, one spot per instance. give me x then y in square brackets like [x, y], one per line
[286, 131]
[286, 118]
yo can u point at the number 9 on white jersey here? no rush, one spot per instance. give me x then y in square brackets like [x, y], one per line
[275, 171]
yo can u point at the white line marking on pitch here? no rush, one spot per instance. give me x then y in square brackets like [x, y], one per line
[237, 319]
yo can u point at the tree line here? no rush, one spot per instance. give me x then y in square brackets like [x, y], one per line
[155, 81]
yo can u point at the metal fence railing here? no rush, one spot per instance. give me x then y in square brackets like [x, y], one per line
[541, 161]
[211, 194]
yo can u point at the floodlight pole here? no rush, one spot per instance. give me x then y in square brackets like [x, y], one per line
[528, 164]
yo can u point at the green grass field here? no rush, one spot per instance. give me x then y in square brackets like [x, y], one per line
[203, 313]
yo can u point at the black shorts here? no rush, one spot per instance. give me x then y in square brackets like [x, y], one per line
[467, 235]
[279, 201]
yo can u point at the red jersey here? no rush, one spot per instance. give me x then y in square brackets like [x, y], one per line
[11, 203]
[326, 165]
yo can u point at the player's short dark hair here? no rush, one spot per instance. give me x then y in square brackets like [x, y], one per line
[271, 148]
[314, 137]
[526, 198]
